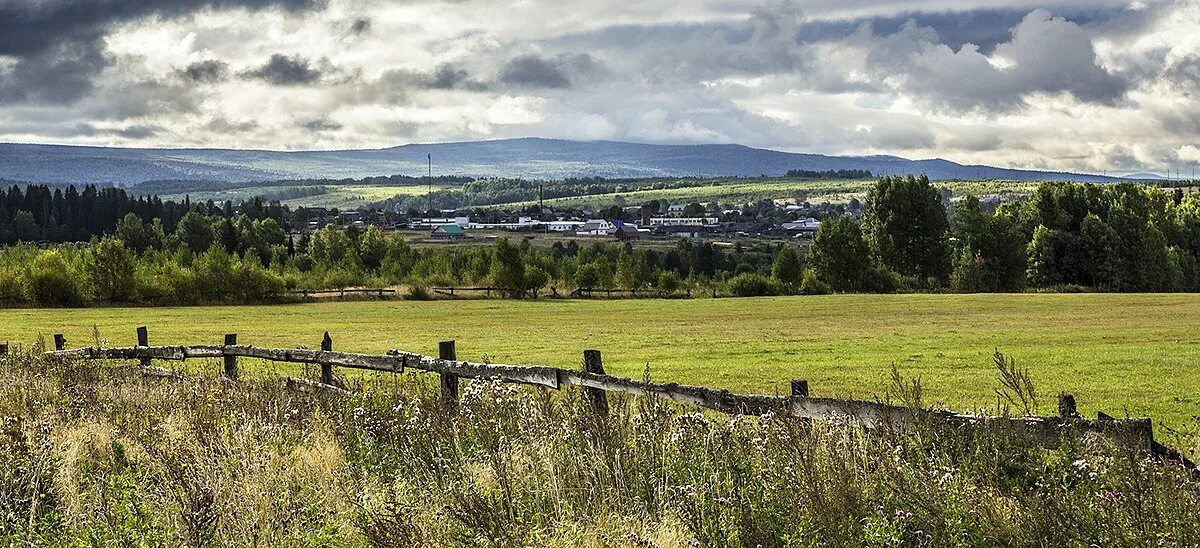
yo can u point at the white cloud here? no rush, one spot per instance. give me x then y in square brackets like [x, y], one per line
[1070, 85]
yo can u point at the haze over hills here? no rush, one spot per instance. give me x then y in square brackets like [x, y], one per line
[532, 158]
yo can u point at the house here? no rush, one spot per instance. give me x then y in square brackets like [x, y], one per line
[683, 221]
[439, 221]
[679, 231]
[448, 232]
[596, 227]
[563, 226]
[624, 231]
[675, 210]
[803, 225]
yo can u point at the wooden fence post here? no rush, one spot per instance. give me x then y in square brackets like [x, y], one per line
[446, 351]
[800, 388]
[593, 363]
[231, 369]
[143, 338]
[326, 369]
[60, 342]
[1066, 406]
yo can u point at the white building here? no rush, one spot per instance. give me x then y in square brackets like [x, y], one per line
[563, 226]
[803, 225]
[683, 221]
[596, 227]
[435, 222]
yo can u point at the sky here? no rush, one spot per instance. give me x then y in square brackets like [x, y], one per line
[1081, 85]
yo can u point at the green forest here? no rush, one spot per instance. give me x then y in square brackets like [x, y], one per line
[1065, 237]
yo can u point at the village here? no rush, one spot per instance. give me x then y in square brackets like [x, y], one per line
[656, 220]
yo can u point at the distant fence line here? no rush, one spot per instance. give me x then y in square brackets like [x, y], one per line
[340, 292]
[487, 291]
[1049, 431]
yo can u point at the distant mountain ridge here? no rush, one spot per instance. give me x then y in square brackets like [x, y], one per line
[531, 158]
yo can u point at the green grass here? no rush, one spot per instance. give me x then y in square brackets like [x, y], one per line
[340, 196]
[1116, 353]
[751, 190]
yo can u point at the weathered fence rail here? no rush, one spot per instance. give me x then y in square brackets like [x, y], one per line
[1050, 431]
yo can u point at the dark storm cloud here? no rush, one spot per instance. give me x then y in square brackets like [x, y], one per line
[447, 77]
[360, 26]
[284, 70]
[321, 125]
[210, 71]
[59, 74]
[1184, 74]
[986, 28]
[533, 71]
[58, 45]
[394, 85]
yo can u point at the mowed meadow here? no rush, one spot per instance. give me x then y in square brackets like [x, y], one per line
[1136, 354]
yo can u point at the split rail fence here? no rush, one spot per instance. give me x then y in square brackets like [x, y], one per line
[1049, 431]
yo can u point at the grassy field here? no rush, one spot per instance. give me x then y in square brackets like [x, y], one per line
[751, 190]
[1117, 353]
[340, 196]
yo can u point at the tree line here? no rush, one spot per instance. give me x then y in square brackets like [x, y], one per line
[56, 214]
[1065, 237]
[215, 259]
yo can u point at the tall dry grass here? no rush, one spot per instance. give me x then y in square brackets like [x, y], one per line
[99, 455]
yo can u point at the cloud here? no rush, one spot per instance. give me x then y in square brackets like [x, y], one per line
[59, 45]
[208, 71]
[60, 73]
[533, 71]
[284, 70]
[321, 125]
[557, 72]
[360, 26]
[1046, 54]
[1184, 74]
[1030, 83]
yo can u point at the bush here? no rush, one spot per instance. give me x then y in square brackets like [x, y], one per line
[12, 288]
[52, 280]
[668, 281]
[880, 279]
[810, 284]
[417, 292]
[752, 284]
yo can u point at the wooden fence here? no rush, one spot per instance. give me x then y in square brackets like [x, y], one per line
[341, 292]
[1050, 431]
[488, 291]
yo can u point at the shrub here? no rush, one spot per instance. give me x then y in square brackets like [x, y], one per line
[810, 284]
[52, 280]
[111, 268]
[12, 288]
[668, 281]
[752, 284]
[417, 292]
[880, 279]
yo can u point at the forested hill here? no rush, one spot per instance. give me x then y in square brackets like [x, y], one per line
[528, 158]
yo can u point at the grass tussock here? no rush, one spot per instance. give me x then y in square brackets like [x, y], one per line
[98, 455]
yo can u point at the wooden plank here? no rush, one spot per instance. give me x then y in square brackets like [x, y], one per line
[449, 380]
[596, 397]
[1049, 430]
[231, 368]
[326, 369]
[143, 338]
